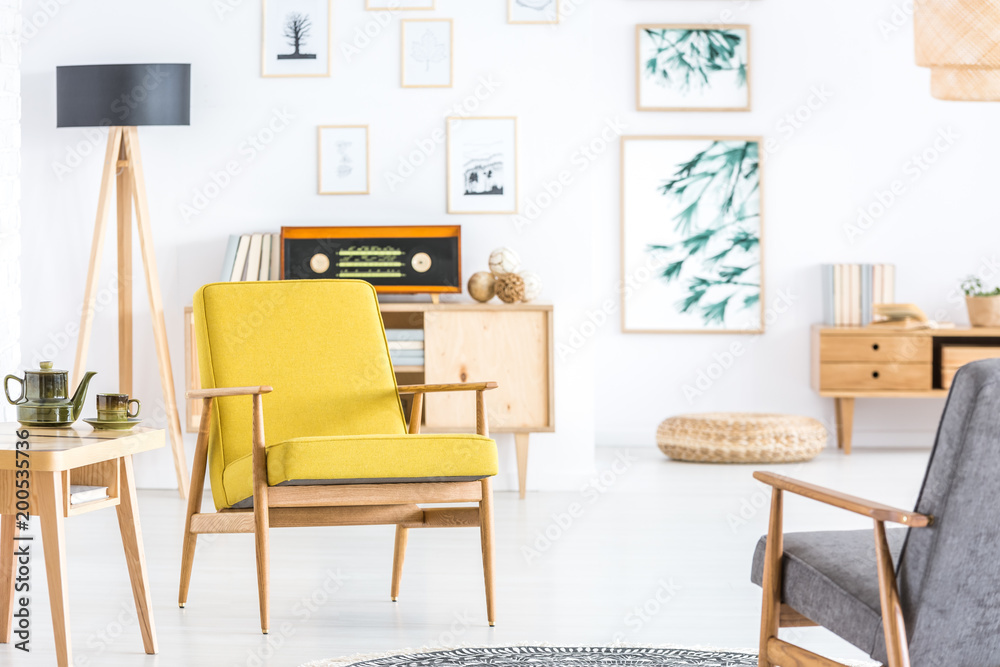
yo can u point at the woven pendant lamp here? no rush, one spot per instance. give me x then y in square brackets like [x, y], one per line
[959, 40]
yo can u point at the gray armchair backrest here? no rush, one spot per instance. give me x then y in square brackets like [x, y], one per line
[949, 573]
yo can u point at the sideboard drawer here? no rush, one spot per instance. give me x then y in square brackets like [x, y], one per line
[875, 377]
[885, 348]
[954, 357]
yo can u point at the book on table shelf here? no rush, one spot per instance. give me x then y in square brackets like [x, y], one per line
[252, 257]
[851, 292]
[404, 334]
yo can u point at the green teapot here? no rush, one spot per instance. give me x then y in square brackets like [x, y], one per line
[44, 399]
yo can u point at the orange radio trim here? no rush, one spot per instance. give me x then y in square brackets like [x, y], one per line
[384, 232]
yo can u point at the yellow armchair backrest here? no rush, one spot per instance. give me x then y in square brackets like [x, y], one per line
[319, 343]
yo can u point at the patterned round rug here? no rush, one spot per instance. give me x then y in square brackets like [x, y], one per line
[556, 656]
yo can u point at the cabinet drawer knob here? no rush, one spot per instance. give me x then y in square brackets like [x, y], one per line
[875, 374]
[875, 346]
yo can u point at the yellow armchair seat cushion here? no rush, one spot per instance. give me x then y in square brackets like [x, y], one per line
[367, 459]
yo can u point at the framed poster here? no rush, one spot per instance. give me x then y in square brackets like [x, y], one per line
[532, 11]
[692, 67]
[295, 38]
[372, 5]
[691, 236]
[343, 160]
[482, 165]
[427, 53]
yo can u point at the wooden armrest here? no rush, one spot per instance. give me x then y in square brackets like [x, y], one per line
[431, 388]
[229, 391]
[874, 510]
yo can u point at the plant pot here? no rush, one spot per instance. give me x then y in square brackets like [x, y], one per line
[984, 311]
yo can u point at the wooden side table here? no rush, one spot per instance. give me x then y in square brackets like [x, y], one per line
[878, 362]
[58, 458]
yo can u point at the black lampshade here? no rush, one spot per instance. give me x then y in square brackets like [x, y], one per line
[101, 95]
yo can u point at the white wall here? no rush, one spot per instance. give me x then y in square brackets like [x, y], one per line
[566, 84]
[10, 189]
[832, 161]
[544, 77]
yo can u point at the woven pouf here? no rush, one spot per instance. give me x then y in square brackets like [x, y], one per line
[739, 437]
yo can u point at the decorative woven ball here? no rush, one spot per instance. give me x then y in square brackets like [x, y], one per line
[510, 287]
[504, 260]
[482, 286]
[739, 437]
[532, 285]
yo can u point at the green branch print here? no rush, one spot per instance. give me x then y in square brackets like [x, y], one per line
[716, 254]
[688, 58]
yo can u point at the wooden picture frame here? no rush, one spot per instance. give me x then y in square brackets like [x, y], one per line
[324, 55]
[403, 52]
[323, 184]
[744, 259]
[652, 94]
[400, 5]
[453, 126]
[525, 9]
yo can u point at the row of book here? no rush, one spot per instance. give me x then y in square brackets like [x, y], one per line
[406, 346]
[850, 292]
[252, 257]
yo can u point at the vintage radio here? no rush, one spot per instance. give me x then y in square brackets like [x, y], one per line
[396, 260]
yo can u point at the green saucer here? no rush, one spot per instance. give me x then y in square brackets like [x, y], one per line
[123, 425]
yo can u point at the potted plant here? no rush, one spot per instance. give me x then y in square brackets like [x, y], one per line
[983, 305]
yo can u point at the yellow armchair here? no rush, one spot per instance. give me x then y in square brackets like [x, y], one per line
[337, 449]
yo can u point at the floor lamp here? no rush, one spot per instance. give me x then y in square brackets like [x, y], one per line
[123, 98]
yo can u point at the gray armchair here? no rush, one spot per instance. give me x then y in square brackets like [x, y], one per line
[927, 594]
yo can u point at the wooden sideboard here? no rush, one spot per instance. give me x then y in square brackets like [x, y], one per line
[464, 342]
[877, 362]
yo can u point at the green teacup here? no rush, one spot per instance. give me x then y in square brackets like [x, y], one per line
[115, 407]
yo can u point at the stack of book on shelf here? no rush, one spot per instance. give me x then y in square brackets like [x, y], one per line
[406, 346]
[851, 291]
[252, 257]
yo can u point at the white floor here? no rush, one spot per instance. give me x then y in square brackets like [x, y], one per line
[657, 553]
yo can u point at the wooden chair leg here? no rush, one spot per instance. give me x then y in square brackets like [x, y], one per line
[398, 556]
[486, 533]
[194, 500]
[260, 513]
[49, 501]
[8, 531]
[770, 614]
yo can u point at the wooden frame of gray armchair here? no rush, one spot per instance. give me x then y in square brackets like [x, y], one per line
[336, 505]
[775, 614]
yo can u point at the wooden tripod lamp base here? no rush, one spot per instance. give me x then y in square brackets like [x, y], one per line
[123, 173]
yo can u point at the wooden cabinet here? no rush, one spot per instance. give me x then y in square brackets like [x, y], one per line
[465, 342]
[871, 362]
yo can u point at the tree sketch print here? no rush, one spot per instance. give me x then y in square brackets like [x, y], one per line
[537, 5]
[297, 29]
[717, 256]
[428, 50]
[483, 170]
[688, 59]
